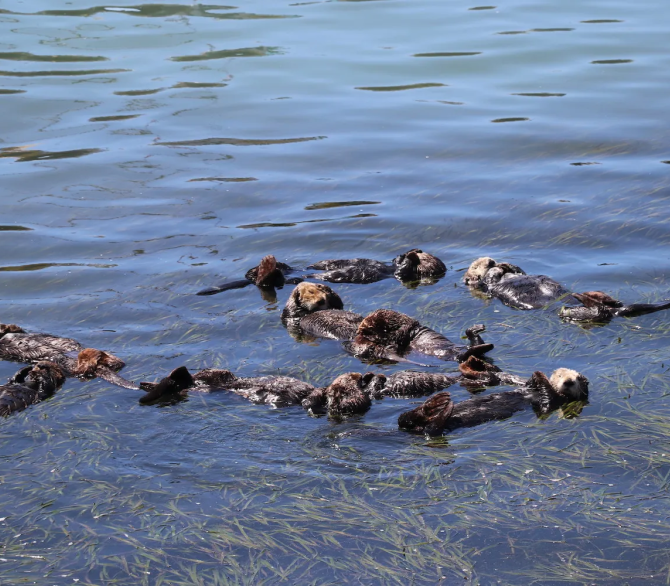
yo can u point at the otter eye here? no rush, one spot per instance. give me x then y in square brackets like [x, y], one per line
[491, 263]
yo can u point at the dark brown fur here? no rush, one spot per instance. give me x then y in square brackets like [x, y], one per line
[30, 385]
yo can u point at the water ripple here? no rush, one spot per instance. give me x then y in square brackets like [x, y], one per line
[238, 141]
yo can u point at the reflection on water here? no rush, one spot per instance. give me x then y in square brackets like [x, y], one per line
[216, 490]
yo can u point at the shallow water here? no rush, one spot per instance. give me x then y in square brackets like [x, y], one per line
[150, 150]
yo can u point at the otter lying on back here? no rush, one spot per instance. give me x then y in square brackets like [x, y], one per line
[413, 265]
[278, 391]
[600, 307]
[513, 286]
[70, 355]
[438, 413]
[266, 276]
[382, 335]
[30, 385]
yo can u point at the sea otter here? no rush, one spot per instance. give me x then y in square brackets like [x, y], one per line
[600, 307]
[278, 391]
[266, 276]
[30, 385]
[384, 334]
[411, 266]
[438, 413]
[513, 286]
[70, 355]
[388, 335]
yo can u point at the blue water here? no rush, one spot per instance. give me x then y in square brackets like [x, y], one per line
[150, 150]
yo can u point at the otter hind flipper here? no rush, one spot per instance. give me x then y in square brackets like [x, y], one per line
[177, 381]
[430, 417]
[112, 377]
[478, 350]
[225, 287]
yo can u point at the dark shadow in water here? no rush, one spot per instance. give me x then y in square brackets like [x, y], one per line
[539, 95]
[196, 85]
[580, 164]
[38, 155]
[498, 120]
[338, 204]
[238, 141]
[23, 56]
[513, 33]
[398, 88]
[48, 265]
[483, 8]
[61, 73]
[666, 162]
[551, 30]
[228, 53]
[224, 179]
[140, 92]
[10, 92]
[113, 118]
[465, 54]
[158, 11]
[14, 229]
[290, 224]
[602, 21]
[611, 61]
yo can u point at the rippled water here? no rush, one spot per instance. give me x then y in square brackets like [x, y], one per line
[150, 150]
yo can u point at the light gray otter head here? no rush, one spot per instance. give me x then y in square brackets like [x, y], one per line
[10, 329]
[485, 272]
[570, 384]
[89, 359]
[415, 265]
[307, 298]
[474, 276]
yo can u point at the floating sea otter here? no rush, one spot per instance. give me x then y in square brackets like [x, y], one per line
[600, 307]
[439, 414]
[414, 265]
[282, 391]
[68, 354]
[316, 310]
[513, 286]
[268, 275]
[30, 385]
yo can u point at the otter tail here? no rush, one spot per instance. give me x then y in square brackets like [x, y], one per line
[224, 287]
[635, 309]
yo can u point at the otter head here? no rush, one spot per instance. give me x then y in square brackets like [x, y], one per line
[570, 384]
[10, 329]
[307, 298]
[474, 276]
[90, 359]
[47, 375]
[214, 377]
[387, 328]
[347, 395]
[373, 384]
[407, 265]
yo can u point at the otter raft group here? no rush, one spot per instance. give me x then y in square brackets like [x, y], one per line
[316, 310]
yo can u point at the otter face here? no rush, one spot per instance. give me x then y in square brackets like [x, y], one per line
[474, 276]
[307, 298]
[570, 384]
[48, 372]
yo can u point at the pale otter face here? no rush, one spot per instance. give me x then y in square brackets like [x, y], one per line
[475, 274]
[307, 298]
[570, 384]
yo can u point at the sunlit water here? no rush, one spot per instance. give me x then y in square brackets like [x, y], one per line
[150, 150]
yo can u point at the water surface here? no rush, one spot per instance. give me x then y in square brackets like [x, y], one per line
[150, 150]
